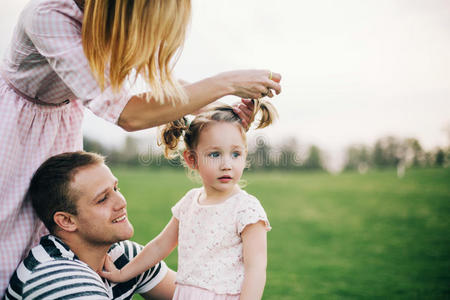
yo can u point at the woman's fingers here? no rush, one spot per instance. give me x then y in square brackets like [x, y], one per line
[269, 94]
[273, 86]
[244, 119]
[271, 82]
[244, 110]
[253, 84]
[275, 77]
[249, 104]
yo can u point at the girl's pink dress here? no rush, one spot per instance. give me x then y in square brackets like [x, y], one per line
[188, 292]
[45, 63]
[210, 260]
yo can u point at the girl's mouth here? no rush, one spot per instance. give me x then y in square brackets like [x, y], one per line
[225, 178]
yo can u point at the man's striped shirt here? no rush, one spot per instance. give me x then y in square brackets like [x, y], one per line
[52, 271]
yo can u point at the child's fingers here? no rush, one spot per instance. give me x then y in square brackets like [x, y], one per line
[104, 274]
[109, 264]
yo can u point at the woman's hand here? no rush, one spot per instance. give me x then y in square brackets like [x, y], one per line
[139, 113]
[244, 110]
[252, 84]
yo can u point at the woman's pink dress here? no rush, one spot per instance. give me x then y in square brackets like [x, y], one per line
[45, 62]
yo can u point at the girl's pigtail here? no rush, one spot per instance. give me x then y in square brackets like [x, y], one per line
[171, 134]
[268, 113]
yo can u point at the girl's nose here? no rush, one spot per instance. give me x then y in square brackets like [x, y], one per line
[226, 164]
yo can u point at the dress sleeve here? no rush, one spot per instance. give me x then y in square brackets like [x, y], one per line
[250, 211]
[56, 35]
[179, 207]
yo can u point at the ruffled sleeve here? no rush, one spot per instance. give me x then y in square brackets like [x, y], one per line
[250, 211]
[180, 207]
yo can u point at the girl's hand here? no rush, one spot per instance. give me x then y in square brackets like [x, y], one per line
[252, 84]
[110, 271]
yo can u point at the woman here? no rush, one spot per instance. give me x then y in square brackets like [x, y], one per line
[69, 54]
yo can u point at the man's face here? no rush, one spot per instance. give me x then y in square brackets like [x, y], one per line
[101, 209]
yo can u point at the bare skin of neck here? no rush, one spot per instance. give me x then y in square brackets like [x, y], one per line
[93, 255]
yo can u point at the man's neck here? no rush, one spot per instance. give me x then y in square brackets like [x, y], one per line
[93, 255]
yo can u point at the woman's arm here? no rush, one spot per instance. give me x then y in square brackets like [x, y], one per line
[141, 114]
[254, 238]
[156, 250]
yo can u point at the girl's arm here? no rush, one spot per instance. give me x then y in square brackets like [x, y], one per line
[139, 114]
[254, 238]
[156, 250]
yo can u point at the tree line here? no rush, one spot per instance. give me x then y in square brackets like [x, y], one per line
[390, 151]
[387, 152]
[261, 156]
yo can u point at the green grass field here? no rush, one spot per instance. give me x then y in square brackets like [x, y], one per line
[346, 236]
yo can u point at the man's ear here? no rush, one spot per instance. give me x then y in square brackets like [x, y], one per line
[190, 158]
[65, 221]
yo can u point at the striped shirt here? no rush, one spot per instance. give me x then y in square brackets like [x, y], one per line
[52, 271]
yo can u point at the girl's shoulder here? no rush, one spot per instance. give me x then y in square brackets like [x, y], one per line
[187, 200]
[249, 211]
[246, 199]
[192, 194]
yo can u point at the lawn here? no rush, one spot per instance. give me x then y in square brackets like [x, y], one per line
[346, 236]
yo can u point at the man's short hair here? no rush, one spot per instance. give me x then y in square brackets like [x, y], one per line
[49, 189]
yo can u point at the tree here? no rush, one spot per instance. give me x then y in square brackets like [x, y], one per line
[439, 160]
[414, 154]
[388, 152]
[289, 156]
[357, 158]
[314, 159]
[260, 157]
[92, 145]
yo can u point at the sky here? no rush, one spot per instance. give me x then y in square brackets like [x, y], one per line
[352, 71]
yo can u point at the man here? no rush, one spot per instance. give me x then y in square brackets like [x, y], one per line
[77, 198]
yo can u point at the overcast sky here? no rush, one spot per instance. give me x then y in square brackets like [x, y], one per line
[353, 70]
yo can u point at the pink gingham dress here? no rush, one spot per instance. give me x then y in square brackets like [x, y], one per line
[45, 63]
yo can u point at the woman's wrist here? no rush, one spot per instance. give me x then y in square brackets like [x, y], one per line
[223, 84]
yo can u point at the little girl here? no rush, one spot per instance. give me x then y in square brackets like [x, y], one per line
[219, 228]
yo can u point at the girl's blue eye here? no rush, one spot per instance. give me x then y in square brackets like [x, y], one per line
[214, 154]
[236, 154]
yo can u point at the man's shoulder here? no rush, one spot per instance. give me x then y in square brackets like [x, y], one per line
[124, 251]
[50, 251]
[53, 277]
[51, 270]
[127, 247]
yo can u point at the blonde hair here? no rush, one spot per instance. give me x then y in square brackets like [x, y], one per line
[145, 35]
[172, 132]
